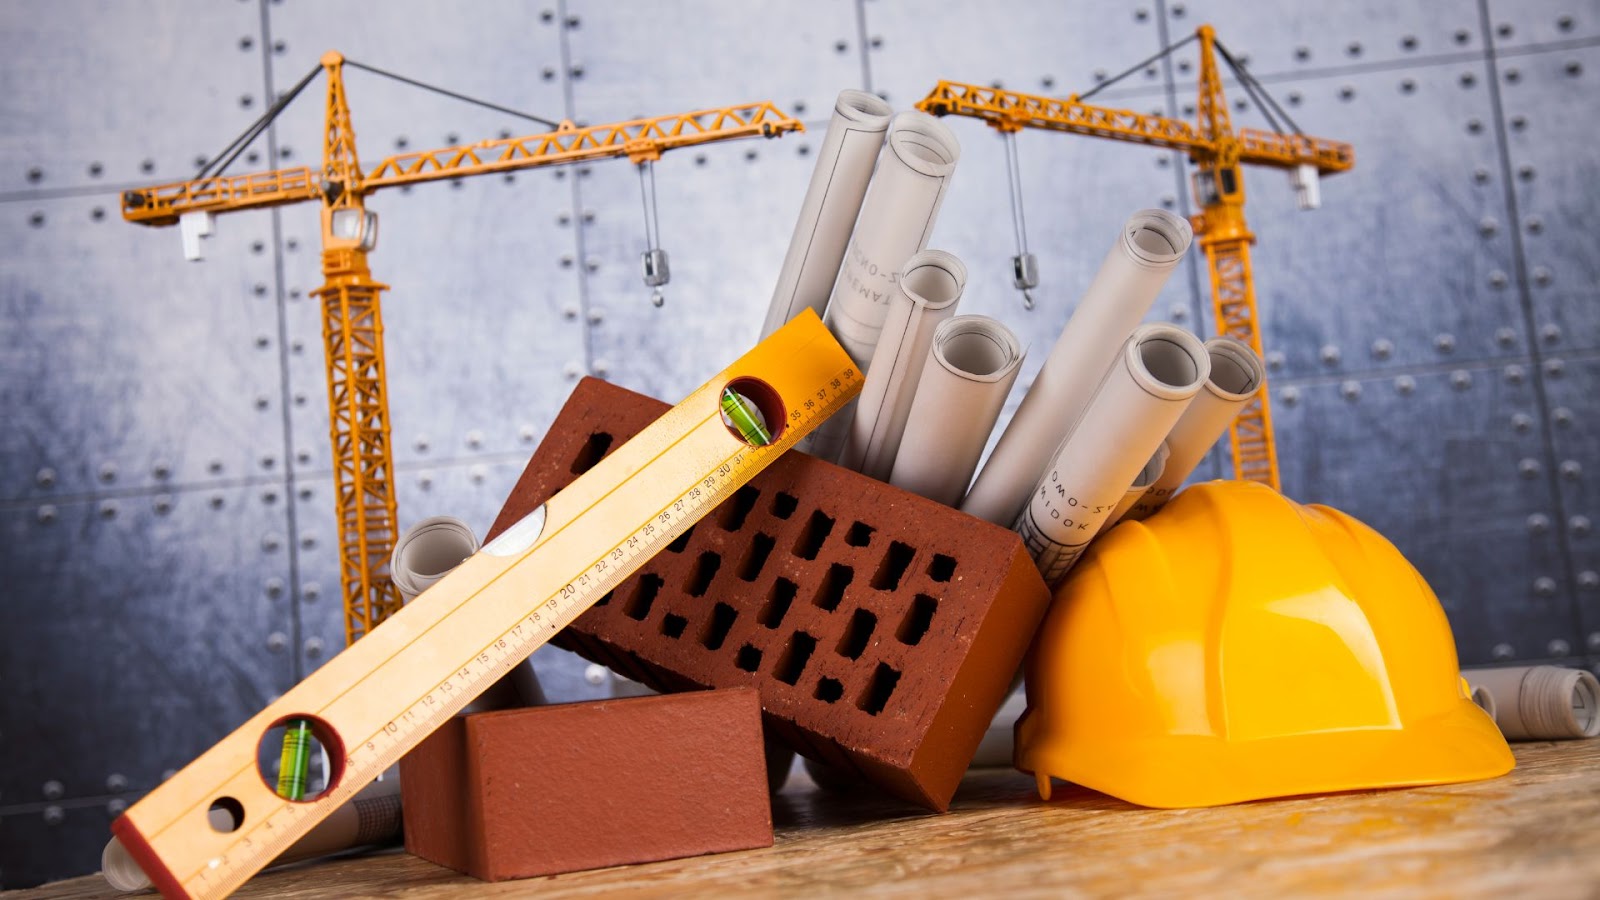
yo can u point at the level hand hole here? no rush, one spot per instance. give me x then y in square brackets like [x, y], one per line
[300, 758]
[752, 411]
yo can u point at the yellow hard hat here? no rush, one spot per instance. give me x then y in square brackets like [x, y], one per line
[1239, 645]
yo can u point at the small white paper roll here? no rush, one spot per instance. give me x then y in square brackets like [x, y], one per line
[427, 551]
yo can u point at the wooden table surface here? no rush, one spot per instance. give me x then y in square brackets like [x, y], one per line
[1535, 832]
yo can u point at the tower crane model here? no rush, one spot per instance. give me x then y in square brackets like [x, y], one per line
[352, 320]
[1217, 151]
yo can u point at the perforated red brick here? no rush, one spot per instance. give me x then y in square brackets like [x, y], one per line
[551, 789]
[882, 629]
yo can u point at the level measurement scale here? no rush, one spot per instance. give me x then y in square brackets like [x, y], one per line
[379, 698]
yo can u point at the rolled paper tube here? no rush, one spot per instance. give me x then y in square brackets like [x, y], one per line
[998, 747]
[896, 219]
[371, 818]
[926, 294]
[1149, 247]
[973, 363]
[1541, 703]
[427, 551]
[1236, 375]
[1141, 484]
[1481, 697]
[838, 185]
[1152, 381]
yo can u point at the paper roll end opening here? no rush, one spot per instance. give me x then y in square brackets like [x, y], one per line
[1586, 704]
[1157, 237]
[975, 346]
[924, 143]
[933, 278]
[1168, 361]
[121, 872]
[860, 106]
[1236, 370]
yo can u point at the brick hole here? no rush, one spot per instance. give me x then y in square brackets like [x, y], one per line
[607, 598]
[876, 696]
[917, 620]
[784, 505]
[942, 567]
[858, 634]
[795, 656]
[731, 515]
[716, 630]
[594, 450]
[829, 690]
[705, 569]
[894, 566]
[756, 557]
[778, 601]
[681, 541]
[673, 625]
[859, 535]
[748, 658]
[638, 606]
[816, 531]
[833, 585]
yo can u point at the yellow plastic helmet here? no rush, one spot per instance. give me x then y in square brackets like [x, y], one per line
[1239, 645]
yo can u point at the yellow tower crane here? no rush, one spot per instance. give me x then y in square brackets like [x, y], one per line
[1217, 151]
[352, 319]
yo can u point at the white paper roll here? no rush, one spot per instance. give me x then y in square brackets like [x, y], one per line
[427, 551]
[1150, 245]
[1141, 484]
[1541, 703]
[838, 185]
[925, 295]
[1236, 375]
[964, 383]
[1152, 381]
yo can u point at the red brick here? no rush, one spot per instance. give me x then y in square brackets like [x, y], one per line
[551, 789]
[872, 695]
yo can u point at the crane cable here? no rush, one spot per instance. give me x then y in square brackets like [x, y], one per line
[1257, 91]
[448, 93]
[1024, 266]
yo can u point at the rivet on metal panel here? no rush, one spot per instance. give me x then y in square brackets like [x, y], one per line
[474, 439]
[1275, 359]
[1571, 469]
[1515, 374]
[1579, 526]
[147, 166]
[108, 509]
[576, 71]
[1408, 42]
[570, 311]
[1502, 651]
[1488, 225]
[876, 42]
[547, 16]
[116, 807]
[1528, 467]
[1178, 10]
[54, 815]
[1551, 333]
[116, 783]
[160, 471]
[108, 472]
[268, 461]
[1347, 92]
[1521, 423]
[1589, 579]
[1382, 348]
[526, 433]
[1533, 224]
[1541, 276]
[276, 641]
[216, 501]
[305, 493]
[1544, 586]
[1330, 354]
[478, 473]
[422, 443]
[1290, 395]
[1538, 523]
[597, 316]
[1526, 172]
[262, 402]
[1405, 384]
[1462, 35]
[1554, 368]
[1561, 416]
[1444, 342]
[1474, 126]
[1558, 647]
[425, 482]
[1408, 86]
[1468, 79]
[270, 543]
[1461, 379]
[1480, 175]
[571, 370]
[1497, 279]
[45, 477]
[162, 504]
[53, 790]
[1351, 390]
[1574, 68]
[566, 262]
[313, 647]
[1505, 337]
[310, 592]
[1141, 14]
[263, 342]
[1514, 75]
[98, 213]
[274, 587]
[1504, 29]
[1168, 201]
[1594, 640]
[308, 542]
[291, 244]
[1177, 313]
[46, 514]
[600, 368]
[96, 169]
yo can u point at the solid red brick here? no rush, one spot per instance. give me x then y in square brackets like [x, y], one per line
[882, 629]
[551, 789]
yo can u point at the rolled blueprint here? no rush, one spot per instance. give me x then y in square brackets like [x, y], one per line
[1481, 698]
[1236, 375]
[1541, 703]
[973, 363]
[925, 295]
[1150, 245]
[1141, 483]
[427, 551]
[1152, 381]
[838, 185]
[896, 219]
[370, 818]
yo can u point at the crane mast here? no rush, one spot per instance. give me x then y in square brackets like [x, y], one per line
[1218, 152]
[352, 317]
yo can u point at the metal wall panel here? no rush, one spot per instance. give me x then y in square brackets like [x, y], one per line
[165, 487]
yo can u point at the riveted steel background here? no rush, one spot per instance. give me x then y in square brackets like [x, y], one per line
[165, 484]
